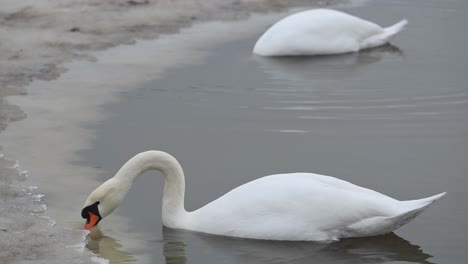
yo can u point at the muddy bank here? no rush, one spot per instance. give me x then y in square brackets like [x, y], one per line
[39, 35]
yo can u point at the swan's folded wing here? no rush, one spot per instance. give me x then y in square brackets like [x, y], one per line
[294, 206]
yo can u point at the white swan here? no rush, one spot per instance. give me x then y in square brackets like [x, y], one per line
[323, 31]
[296, 206]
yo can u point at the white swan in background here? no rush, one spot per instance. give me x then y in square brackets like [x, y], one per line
[323, 31]
[296, 206]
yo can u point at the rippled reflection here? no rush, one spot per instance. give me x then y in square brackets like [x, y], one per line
[381, 249]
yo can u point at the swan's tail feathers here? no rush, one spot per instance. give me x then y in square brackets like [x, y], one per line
[413, 208]
[393, 30]
[382, 224]
[383, 37]
[422, 204]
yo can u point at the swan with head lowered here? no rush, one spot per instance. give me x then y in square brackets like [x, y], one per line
[323, 31]
[295, 206]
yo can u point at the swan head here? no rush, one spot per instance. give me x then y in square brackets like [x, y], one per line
[102, 202]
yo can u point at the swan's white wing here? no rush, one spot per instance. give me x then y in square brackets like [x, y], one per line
[296, 206]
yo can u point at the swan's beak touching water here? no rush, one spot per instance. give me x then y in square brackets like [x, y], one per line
[102, 201]
[91, 214]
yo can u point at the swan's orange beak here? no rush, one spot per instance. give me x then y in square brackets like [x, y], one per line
[91, 221]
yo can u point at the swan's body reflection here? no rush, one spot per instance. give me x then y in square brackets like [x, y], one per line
[343, 66]
[379, 249]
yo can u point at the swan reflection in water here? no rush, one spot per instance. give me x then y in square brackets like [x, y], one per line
[107, 247]
[324, 67]
[380, 249]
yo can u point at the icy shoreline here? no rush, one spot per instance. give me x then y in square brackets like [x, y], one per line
[27, 236]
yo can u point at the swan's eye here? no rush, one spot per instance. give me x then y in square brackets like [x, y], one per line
[84, 213]
[90, 208]
[91, 214]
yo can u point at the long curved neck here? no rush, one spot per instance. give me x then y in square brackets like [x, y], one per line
[173, 210]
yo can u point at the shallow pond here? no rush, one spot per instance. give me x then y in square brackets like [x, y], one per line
[393, 119]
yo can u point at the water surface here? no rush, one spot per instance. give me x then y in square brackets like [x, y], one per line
[393, 119]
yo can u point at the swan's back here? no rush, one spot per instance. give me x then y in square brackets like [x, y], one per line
[318, 31]
[296, 206]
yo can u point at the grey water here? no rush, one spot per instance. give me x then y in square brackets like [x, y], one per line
[393, 119]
